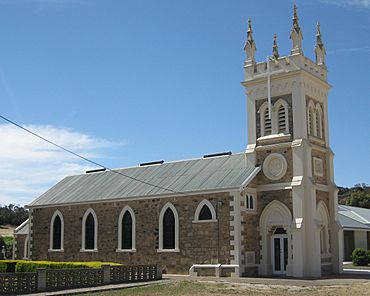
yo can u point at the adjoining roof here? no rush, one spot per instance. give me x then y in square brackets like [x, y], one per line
[218, 173]
[22, 229]
[354, 217]
[362, 215]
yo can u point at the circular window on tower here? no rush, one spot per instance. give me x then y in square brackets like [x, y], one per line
[275, 166]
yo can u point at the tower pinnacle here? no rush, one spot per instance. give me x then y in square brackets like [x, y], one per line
[275, 52]
[296, 34]
[250, 46]
[320, 51]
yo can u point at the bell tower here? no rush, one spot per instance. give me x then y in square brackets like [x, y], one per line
[288, 138]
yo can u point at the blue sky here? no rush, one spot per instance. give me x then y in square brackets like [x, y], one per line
[130, 81]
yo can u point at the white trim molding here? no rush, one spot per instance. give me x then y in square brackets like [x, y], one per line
[170, 206]
[51, 247]
[211, 208]
[133, 230]
[322, 216]
[92, 212]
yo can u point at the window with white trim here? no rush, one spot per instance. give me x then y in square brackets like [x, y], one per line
[310, 120]
[56, 232]
[126, 230]
[267, 123]
[318, 121]
[204, 212]
[89, 231]
[250, 203]
[168, 229]
[282, 120]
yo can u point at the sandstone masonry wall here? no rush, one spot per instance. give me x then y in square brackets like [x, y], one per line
[207, 242]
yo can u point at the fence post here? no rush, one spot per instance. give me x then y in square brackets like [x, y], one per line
[159, 272]
[41, 279]
[106, 274]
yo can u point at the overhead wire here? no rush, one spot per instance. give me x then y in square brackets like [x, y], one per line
[87, 159]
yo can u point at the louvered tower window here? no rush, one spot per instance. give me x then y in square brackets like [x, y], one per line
[57, 233]
[268, 126]
[310, 121]
[318, 124]
[168, 230]
[282, 120]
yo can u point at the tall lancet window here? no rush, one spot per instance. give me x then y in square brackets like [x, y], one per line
[89, 234]
[126, 230]
[168, 229]
[282, 125]
[56, 232]
[89, 231]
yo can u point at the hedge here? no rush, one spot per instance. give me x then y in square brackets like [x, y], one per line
[31, 266]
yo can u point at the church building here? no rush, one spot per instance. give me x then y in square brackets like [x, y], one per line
[271, 209]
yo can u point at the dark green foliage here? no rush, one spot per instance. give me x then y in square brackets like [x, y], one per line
[360, 257]
[3, 267]
[12, 214]
[357, 196]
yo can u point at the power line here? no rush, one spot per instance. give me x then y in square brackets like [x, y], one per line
[86, 159]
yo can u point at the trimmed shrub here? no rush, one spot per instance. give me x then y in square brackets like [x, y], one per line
[2, 267]
[31, 266]
[360, 257]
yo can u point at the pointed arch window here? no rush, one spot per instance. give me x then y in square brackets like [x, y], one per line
[205, 212]
[56, 232]
[126, 230]
[89, 231]
[310, 120]
[282, 120]
[318, 121]
[267, 123]
[168, 229]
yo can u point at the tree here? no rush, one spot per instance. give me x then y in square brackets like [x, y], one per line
[12, 214]
[359, 196]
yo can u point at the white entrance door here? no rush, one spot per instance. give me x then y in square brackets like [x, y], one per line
[279, 253]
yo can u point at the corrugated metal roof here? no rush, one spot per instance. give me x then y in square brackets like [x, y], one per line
[348, 222]
[22, 229]
[361, 215]
[223, 172]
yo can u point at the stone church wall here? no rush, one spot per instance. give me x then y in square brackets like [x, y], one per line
[19, 247]
[198, 242]
[250, 221]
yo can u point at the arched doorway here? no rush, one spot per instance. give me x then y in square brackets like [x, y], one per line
[275, 230]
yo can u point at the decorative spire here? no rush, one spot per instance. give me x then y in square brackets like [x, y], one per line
[296, 34]
[275, 52]
[320, 51]
[250, 46]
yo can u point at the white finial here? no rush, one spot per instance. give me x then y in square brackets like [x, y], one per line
[250, 46]
[296, 34]
[275, 52]
[320, 51]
